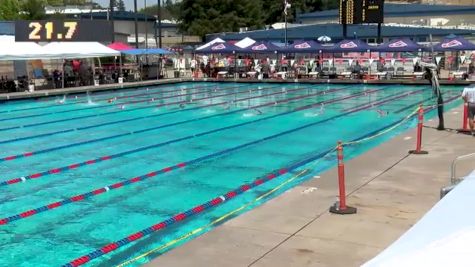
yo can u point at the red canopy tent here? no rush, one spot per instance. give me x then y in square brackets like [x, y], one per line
[119, 46]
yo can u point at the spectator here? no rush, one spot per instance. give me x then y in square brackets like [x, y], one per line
[468, 96]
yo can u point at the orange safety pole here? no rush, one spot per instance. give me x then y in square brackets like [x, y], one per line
[340, 206]
[465, 117]
[464, 128]
[420, 122]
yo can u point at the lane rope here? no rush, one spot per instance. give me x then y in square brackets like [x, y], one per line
[135, 150]
[102, 190]
[214, 203]
[31, 153]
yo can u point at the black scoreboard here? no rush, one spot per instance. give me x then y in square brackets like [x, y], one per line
[63, 31]
[361, 11]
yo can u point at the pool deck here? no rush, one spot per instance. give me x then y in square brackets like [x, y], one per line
[108, 87]
[391, 189]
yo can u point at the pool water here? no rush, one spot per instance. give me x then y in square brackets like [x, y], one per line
[228, 134]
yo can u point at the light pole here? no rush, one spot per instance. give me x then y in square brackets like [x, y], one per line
[159, 19]
[286, 6]
[136, 26]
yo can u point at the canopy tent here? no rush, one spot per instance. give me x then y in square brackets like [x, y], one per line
[246, 42]
[66, 50]
[150, 51]
[11, 50]
[119, 46]
[345, 46]
[454, 44]
[399, 45]
[215, 41]
[303, 47]
[262, 48]
[221, 48]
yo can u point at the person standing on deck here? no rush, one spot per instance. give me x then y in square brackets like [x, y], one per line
[468, 96]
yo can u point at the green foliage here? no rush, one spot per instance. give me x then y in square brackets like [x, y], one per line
[121, 5]
[168, 11]
[200, 17]
[9, 9]
[33, 9]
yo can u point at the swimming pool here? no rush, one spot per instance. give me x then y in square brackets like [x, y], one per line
[176, 146]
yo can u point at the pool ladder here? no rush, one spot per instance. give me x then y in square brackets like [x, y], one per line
[454, 180]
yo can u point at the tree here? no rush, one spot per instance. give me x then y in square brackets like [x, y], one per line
[200, 17]
[33, 9]
[9, 9]
[121, 5]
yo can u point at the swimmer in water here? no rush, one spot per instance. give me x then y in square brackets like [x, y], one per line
[182, 106]
[122, 106]
[258, 111]
[382, 113]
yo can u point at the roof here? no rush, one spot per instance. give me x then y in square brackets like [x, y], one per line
[400, 10]
[335, 32]
[122, 15]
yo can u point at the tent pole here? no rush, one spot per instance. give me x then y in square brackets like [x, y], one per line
[120, 65]
[93, 72]
[62, 74]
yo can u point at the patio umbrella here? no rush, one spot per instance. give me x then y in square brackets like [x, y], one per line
[324, 39]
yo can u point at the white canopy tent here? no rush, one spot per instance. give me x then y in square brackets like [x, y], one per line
[68, 50]
[246, 42]
[217, 40]
[11, 50]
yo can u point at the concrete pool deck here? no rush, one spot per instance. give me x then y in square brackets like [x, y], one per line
[391, 189]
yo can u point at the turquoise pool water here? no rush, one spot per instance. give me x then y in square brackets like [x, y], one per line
[148, 129]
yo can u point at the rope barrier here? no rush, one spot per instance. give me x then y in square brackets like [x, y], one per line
[128, 152]
[28, 154]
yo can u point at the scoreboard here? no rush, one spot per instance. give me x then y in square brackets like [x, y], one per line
[361, 11]
[63, 31]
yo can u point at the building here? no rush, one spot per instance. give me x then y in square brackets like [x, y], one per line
[51, 10]
[416, 21]
[124, 28]
[412, 14]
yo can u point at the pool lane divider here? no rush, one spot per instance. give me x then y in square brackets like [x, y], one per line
[415, 104]
[116, 122]
[100, 94]
[128, 110]
[384, 100]
[203, 207]
[165, 170]
[124, 153]
[29, 154]
[120, 103]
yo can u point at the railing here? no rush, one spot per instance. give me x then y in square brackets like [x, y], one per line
[453, 179]
[453, 176]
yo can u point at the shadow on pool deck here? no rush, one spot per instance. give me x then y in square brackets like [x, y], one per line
[390, 188]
